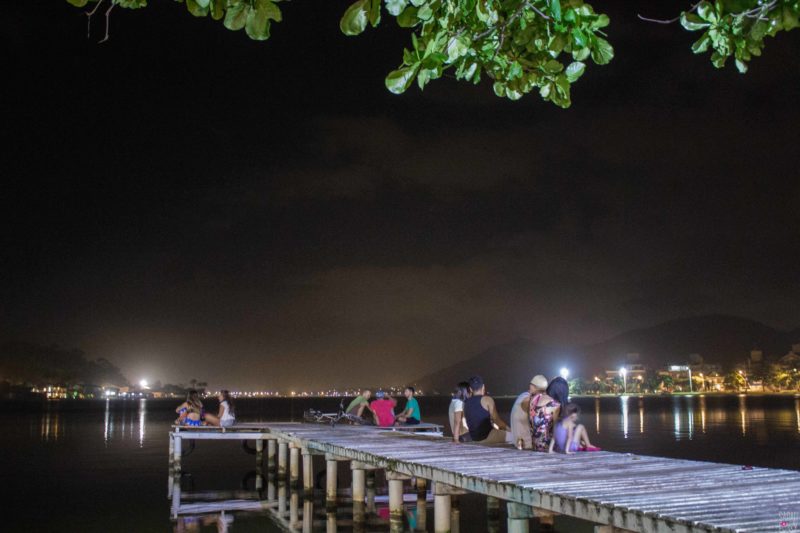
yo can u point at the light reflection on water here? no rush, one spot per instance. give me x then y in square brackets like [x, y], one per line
[106, 441]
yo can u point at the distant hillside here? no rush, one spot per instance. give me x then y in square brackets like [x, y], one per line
[726, 340]
[30, 363]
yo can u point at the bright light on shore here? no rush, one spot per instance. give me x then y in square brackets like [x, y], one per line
[564, 372]
[623, 370]
[143, 383]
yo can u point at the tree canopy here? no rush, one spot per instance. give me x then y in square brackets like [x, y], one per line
[520, 45]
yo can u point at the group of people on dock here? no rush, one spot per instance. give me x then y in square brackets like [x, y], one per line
[192, 413]
[380, 411]
[541, 418]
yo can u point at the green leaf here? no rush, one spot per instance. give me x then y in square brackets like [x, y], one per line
[355, 18]
[600, 22]
[78, 3]
[741, 66]
[602, 51]
[555, 9]
[424, 13]
[701, 45]
[218, 9]
[198, 8]
[457, 48]
[399, 80]
[395, 7]
[375, 12]
[553, 66]
[575, 70]
[236, 16]
[408, 18]
[706, 12]
[692, 22]
[258, 20]
[417, 3]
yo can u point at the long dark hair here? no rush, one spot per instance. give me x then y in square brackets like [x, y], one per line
[461, 392]
[193, 399]
[558, 389]
[226, 397]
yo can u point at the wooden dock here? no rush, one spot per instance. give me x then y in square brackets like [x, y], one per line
[615, 491]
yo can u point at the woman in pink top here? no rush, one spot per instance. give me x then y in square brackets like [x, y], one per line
[383, 408]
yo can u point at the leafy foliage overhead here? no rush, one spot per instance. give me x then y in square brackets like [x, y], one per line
[738, 27]
[520, 45]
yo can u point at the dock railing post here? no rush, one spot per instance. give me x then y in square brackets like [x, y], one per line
[283, 448]
[519, 516]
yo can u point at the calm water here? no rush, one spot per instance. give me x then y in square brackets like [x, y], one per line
[102, 466]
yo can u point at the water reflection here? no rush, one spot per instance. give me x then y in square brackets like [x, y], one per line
[743, 413]
[703, 412]
[142, 416]
[641, 415]
[676, 416]
[690, 415]
[797, 412]
[624, 400]
[50, 427]
[597, 415]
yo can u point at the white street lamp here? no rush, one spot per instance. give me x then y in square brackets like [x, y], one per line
[564, 372]
[143, 383]
[624, 372]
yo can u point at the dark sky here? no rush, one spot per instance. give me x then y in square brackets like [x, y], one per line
[189, 203]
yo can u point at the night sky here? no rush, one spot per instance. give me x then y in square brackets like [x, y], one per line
[192, 204]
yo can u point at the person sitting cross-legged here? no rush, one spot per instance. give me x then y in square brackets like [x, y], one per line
[359, 409]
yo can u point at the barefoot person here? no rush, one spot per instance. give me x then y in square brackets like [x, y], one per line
[568, 435]
[226, 416]
[482, 417]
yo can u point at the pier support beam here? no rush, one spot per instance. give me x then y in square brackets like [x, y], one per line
[396, 494]
[308, 515]
[370, 491]
[422, 505]
[519, 516]
[294, 464]
[331, 481]
[359, 481]
[177, 451]
[283, 452]
[308, 472]
[294, 509]
[259, 453]
[455, 515]
[492, 514]
[272, 446]
[443, 506]
[282, 498]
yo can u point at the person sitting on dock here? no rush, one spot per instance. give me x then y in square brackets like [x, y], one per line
[485, 425]
[455, 413]
[410, 415]
[190, 412]
[383, 408]
[226, 416]
[568, 435]
[543, 410]
[357, 407]
[520, 425]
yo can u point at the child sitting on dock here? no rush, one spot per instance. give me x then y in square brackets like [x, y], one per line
[226, 416]
[190, 412]
[568, 435]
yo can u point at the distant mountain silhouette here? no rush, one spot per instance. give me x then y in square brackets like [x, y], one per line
[722, 339]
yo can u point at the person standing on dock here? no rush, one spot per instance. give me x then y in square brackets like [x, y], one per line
[485, 425]
[411, 414]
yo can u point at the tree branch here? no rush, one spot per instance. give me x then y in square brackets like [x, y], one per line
[108, 12]
[89, 18]
[668, 21]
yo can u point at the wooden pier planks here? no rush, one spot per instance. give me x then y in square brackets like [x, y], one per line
[640, 493]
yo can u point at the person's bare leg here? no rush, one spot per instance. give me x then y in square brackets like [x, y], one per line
[581, 436]
[212, 420]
